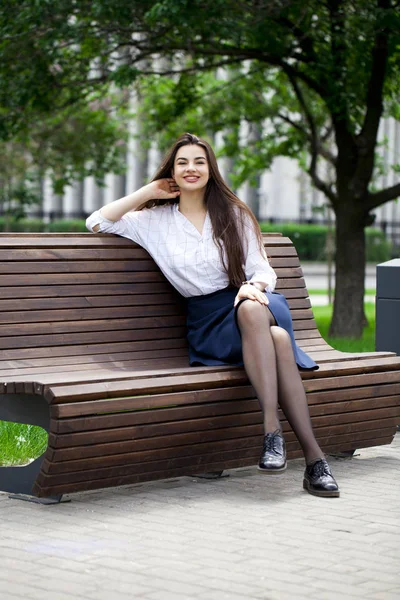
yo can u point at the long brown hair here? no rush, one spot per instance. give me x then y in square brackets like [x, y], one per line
[227, 213]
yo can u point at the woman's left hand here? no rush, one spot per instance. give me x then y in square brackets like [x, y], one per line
[252, 293]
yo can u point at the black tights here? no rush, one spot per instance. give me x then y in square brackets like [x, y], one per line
[272, 370]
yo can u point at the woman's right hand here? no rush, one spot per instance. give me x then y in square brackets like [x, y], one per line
[163, 189]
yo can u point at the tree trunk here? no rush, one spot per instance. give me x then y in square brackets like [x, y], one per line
[348, 308]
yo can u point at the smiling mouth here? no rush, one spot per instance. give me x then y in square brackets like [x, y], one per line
[191, 179]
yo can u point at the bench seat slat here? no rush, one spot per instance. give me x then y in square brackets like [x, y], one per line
[90, 349]
[75, 321]
[80, 372]
[166, 380]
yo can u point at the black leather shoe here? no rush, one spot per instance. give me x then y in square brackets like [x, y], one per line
[319, 481]
[273, 455]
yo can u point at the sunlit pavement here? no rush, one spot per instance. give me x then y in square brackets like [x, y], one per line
[247, 536]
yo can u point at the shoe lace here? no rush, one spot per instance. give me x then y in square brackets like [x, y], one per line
[321, 468]
[270, 442]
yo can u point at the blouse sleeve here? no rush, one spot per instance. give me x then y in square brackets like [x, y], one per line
[127, 226]
[257, 267]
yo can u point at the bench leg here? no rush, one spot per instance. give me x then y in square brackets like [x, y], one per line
[36, 500]
[344, 454]
[211, 475]
[26, 409]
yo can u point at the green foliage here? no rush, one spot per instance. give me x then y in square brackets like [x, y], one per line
[20, 444]
[310, 241]
[39, 226]
[64, 225]
[18, 181]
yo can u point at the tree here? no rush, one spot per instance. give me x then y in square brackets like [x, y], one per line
[80, 140]
[336, 63]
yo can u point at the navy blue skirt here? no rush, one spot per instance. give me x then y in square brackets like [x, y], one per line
[213, 332]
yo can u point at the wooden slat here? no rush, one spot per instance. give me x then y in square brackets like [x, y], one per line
[300, 292]
[203, 448]
[51, 291]
[329, 374]
[82, 266]
[32, 331]
[219, 466]
[222, 404]
[91, 337]
[61, 279]
[109, 372]
[280, 251]
[131, 253]
[297, 282]
[43, 240]
[350, 381]
[88, 364]
[123, 474]
[103, 348]
[285, 262]
[31, 304]
[82, 314]
[196, 438]
[158, 348]
[66, 415]
[173, 427]
[149, 383]
[218, 446]
[288, 272]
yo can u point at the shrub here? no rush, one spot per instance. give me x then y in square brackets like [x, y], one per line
[310, 241]
[37, 225]
[65, 226]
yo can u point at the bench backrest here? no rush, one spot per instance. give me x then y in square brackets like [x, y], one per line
[69, 295]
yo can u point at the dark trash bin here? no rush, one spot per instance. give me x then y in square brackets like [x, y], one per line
[387, 333]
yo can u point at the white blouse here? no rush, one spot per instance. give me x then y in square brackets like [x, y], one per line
[190, 260]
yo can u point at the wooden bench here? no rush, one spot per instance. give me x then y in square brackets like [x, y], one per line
[93, 349]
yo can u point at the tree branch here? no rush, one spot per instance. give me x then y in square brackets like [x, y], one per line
[383, 196]
[375, 87]
[305, 42]
[367, 138]
[314, 143]
[324, 152]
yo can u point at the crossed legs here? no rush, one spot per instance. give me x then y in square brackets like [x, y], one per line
[272, 370]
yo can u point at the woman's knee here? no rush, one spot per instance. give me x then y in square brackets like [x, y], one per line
[280, 335]
[251, 312]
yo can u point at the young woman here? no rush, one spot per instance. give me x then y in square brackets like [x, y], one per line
[208, 245]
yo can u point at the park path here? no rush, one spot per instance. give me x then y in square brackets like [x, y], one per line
[244, 537]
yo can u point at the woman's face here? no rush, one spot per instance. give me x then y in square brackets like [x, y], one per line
[191, 171]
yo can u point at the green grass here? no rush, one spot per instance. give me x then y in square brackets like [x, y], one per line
[323, 315]
[20, 444]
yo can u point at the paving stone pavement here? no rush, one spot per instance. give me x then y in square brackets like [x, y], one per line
[248, 536]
